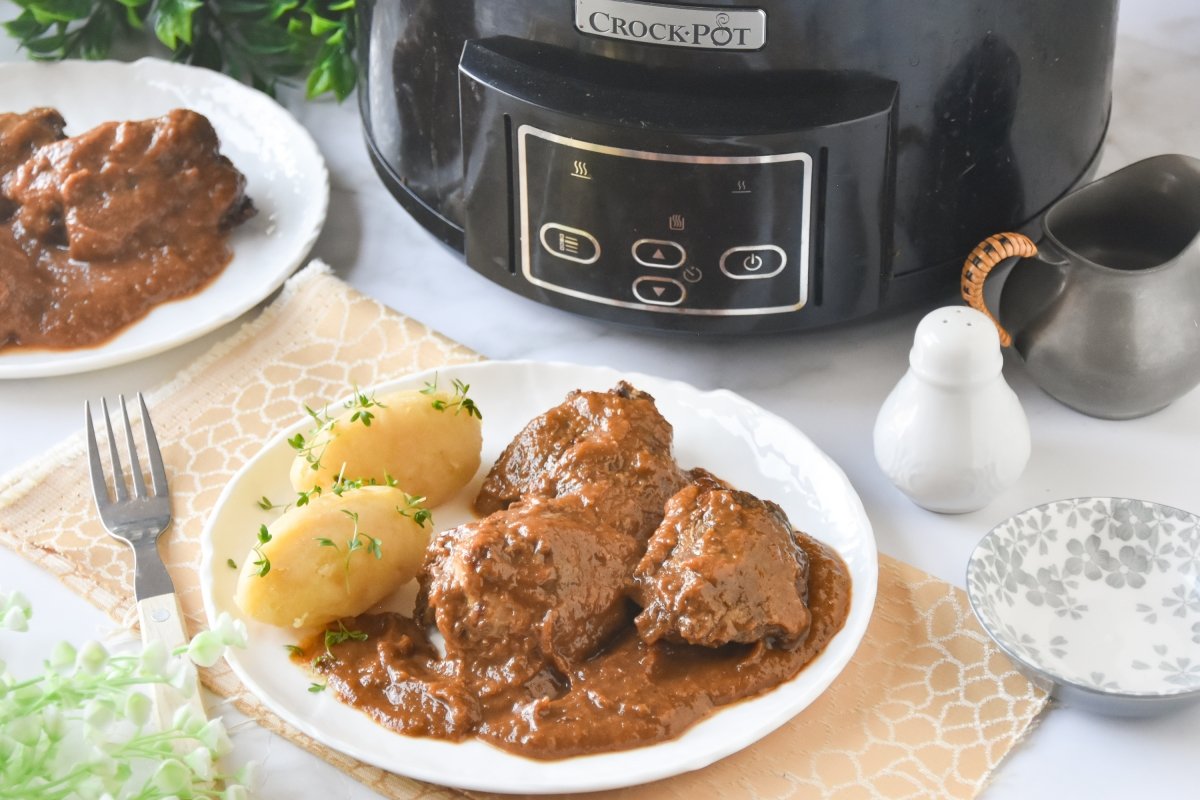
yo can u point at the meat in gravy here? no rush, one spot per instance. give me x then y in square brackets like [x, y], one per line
[565, 634]
[97, 229]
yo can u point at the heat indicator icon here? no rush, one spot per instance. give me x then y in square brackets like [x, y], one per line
[580, 170]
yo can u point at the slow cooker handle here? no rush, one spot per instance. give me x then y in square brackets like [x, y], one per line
[987, 255]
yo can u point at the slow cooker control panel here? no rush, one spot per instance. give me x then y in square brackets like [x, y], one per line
[675, 233]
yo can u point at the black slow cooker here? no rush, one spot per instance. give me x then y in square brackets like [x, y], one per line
[776, 165]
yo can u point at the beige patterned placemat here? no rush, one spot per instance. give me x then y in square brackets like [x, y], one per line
[927, 708]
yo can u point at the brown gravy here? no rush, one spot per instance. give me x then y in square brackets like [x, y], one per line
[97, 229]
[630, 694]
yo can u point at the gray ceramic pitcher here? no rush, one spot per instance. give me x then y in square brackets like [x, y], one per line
[1105, 309]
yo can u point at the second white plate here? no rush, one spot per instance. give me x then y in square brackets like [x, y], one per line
[285, 177]
[755, 450]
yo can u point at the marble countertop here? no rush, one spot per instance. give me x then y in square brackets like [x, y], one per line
[829, 383]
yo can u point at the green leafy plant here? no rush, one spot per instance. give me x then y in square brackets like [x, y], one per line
[258, 41]
[81, 728]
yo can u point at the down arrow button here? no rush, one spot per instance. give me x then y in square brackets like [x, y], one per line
[657, 291]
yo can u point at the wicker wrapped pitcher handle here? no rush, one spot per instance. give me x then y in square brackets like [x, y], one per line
[986, 256]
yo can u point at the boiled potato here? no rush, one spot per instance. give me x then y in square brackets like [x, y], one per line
[311, 584]
[427, 452]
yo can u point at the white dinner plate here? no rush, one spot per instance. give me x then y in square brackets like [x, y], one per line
[285, 177]
[740, 442]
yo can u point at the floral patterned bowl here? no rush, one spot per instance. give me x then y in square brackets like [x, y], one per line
[1098, 598]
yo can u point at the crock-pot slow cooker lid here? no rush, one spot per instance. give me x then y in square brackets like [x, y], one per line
[1000, 108]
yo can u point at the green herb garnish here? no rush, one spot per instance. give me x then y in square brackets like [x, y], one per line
[357, 541]
[460, 402]
[342, 484]
[302, 498]
[306, 447]
[415, 510]
[266, 504]
[263, 563]
[362, 403]
[334, 638]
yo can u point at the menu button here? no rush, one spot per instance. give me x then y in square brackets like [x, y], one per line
[569, 243]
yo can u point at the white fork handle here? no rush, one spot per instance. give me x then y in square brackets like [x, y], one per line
[162, 621]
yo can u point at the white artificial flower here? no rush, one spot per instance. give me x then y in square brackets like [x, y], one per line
[25, 731]
[172, 775]
[138, 708]
[63, 655]
[15, 619]
[231, 632]
[200, 761]
[250, 776]
[52, 722]
[205, 648]
[184, 680]
[186, 720]
[153, 660]
[215, 738]
[98, 713]
[92, 657]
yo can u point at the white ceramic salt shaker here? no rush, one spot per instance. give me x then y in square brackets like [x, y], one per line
[952, 435]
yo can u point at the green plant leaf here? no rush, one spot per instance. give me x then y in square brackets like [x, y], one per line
[173, 21]
[256, 41]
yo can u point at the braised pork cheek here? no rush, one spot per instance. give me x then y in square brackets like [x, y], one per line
[537, 601]
[109, 223]
[539, 585]
[611, 449]
[722, 567]
[20, 136]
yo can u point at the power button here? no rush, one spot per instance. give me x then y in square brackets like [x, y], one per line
[753, 261]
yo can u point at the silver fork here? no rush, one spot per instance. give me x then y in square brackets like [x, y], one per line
[139, 519]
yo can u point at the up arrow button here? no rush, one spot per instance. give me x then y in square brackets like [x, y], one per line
[659, 253]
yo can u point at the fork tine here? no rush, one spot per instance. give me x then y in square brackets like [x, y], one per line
[118, 472]
[95, 466]
[135, 466]
[157, 472]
